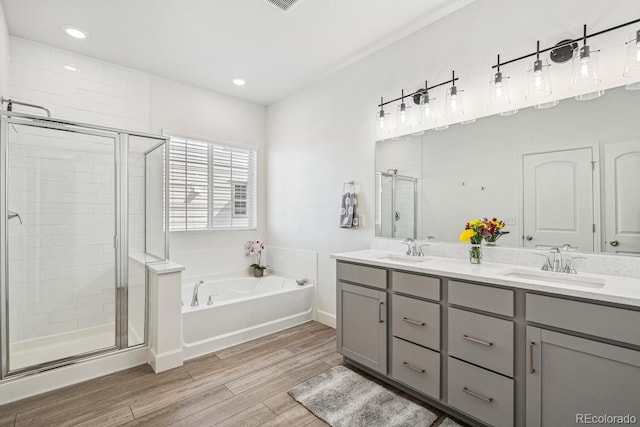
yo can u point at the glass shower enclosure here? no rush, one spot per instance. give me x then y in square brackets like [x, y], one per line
[77, 206]
[396, 205]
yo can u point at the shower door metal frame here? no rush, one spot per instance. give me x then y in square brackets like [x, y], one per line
[394, 178]
[121, 144]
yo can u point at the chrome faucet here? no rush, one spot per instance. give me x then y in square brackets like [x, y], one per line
[194, 298]
[556, 265]
[420, 252]
[411, 246]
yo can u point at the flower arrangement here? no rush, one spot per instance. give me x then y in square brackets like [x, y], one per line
[255, 247]
[494, 228]
[478, 230]
[474, 232]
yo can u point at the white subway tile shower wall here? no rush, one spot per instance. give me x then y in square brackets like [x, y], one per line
[97, 93]
[61, 259]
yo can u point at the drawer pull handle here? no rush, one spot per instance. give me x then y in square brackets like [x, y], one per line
[477, 340]
[413, 368]
[413, 322]
[380, 312]
[479, 396]
[532, 370]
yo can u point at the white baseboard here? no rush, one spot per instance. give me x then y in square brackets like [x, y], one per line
[165, 361]
[326, 318]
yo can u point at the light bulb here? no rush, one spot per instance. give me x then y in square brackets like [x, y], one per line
[498, 89]
[381, 122]
[537, 79]
[425, 114]
[584, 67]
[426, 108]
[638, 51]
[403, 114]
[454, 103]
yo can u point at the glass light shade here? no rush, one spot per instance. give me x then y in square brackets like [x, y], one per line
[453, 102]
[632, 63]
[383, 128]
[585, 76]
[404, 118]
[499, 95]
[538, 81]
[426, 110]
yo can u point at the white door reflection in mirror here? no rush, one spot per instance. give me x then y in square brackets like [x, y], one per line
[558, 199]
[622, 207]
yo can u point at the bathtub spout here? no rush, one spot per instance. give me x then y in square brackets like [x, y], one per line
[194, 298]
[301, 282]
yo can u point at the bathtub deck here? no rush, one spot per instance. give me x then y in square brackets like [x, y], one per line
[242, 385]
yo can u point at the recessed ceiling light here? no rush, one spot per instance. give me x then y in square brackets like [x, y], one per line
[71, 68]
[239, 82]
[75, 33]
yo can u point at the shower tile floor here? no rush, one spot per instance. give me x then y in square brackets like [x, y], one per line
[242, 385]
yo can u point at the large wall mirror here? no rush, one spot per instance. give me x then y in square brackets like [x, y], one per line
[564, 175]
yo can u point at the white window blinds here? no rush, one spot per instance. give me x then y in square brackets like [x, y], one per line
[211, 186]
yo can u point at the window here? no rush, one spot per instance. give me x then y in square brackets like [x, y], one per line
[211, 186]
[240, 199]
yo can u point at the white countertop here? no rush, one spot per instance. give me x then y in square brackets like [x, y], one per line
[616, 289]
[165, 267]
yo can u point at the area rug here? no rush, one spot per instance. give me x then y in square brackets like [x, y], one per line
[343, 398]
[448, 422]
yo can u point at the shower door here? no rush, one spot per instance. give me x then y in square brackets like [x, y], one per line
[60, 260]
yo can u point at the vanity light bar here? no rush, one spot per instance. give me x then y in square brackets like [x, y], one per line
[420, 91]
[566, 43]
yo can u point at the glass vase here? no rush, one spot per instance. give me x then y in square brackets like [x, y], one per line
[475, 253]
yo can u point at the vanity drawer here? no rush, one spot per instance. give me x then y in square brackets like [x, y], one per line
[419, 286]
[480, 393]
[370, 276]
[485, 298]
[593, 319]
[481, 340]
[416, 321]
[416, 367]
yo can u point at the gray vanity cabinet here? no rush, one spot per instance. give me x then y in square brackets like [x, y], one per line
[578, 372]
[568, 376]
[362, 315]
[496, 355]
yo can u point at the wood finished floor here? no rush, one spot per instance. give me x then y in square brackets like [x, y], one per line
[245, 385]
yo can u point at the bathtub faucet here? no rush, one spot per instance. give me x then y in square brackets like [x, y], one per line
[194, 298]
[301, 282]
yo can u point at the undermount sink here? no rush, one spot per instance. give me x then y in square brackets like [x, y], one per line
[559, 278]
[406, 259]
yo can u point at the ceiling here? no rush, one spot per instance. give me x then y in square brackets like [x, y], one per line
[207, 43]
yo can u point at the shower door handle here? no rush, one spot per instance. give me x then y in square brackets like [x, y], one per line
[12, 214]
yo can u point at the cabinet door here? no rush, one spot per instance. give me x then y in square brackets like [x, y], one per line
[571, 378]
[362, 325]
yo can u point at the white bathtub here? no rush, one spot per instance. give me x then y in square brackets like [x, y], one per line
[243, 309]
